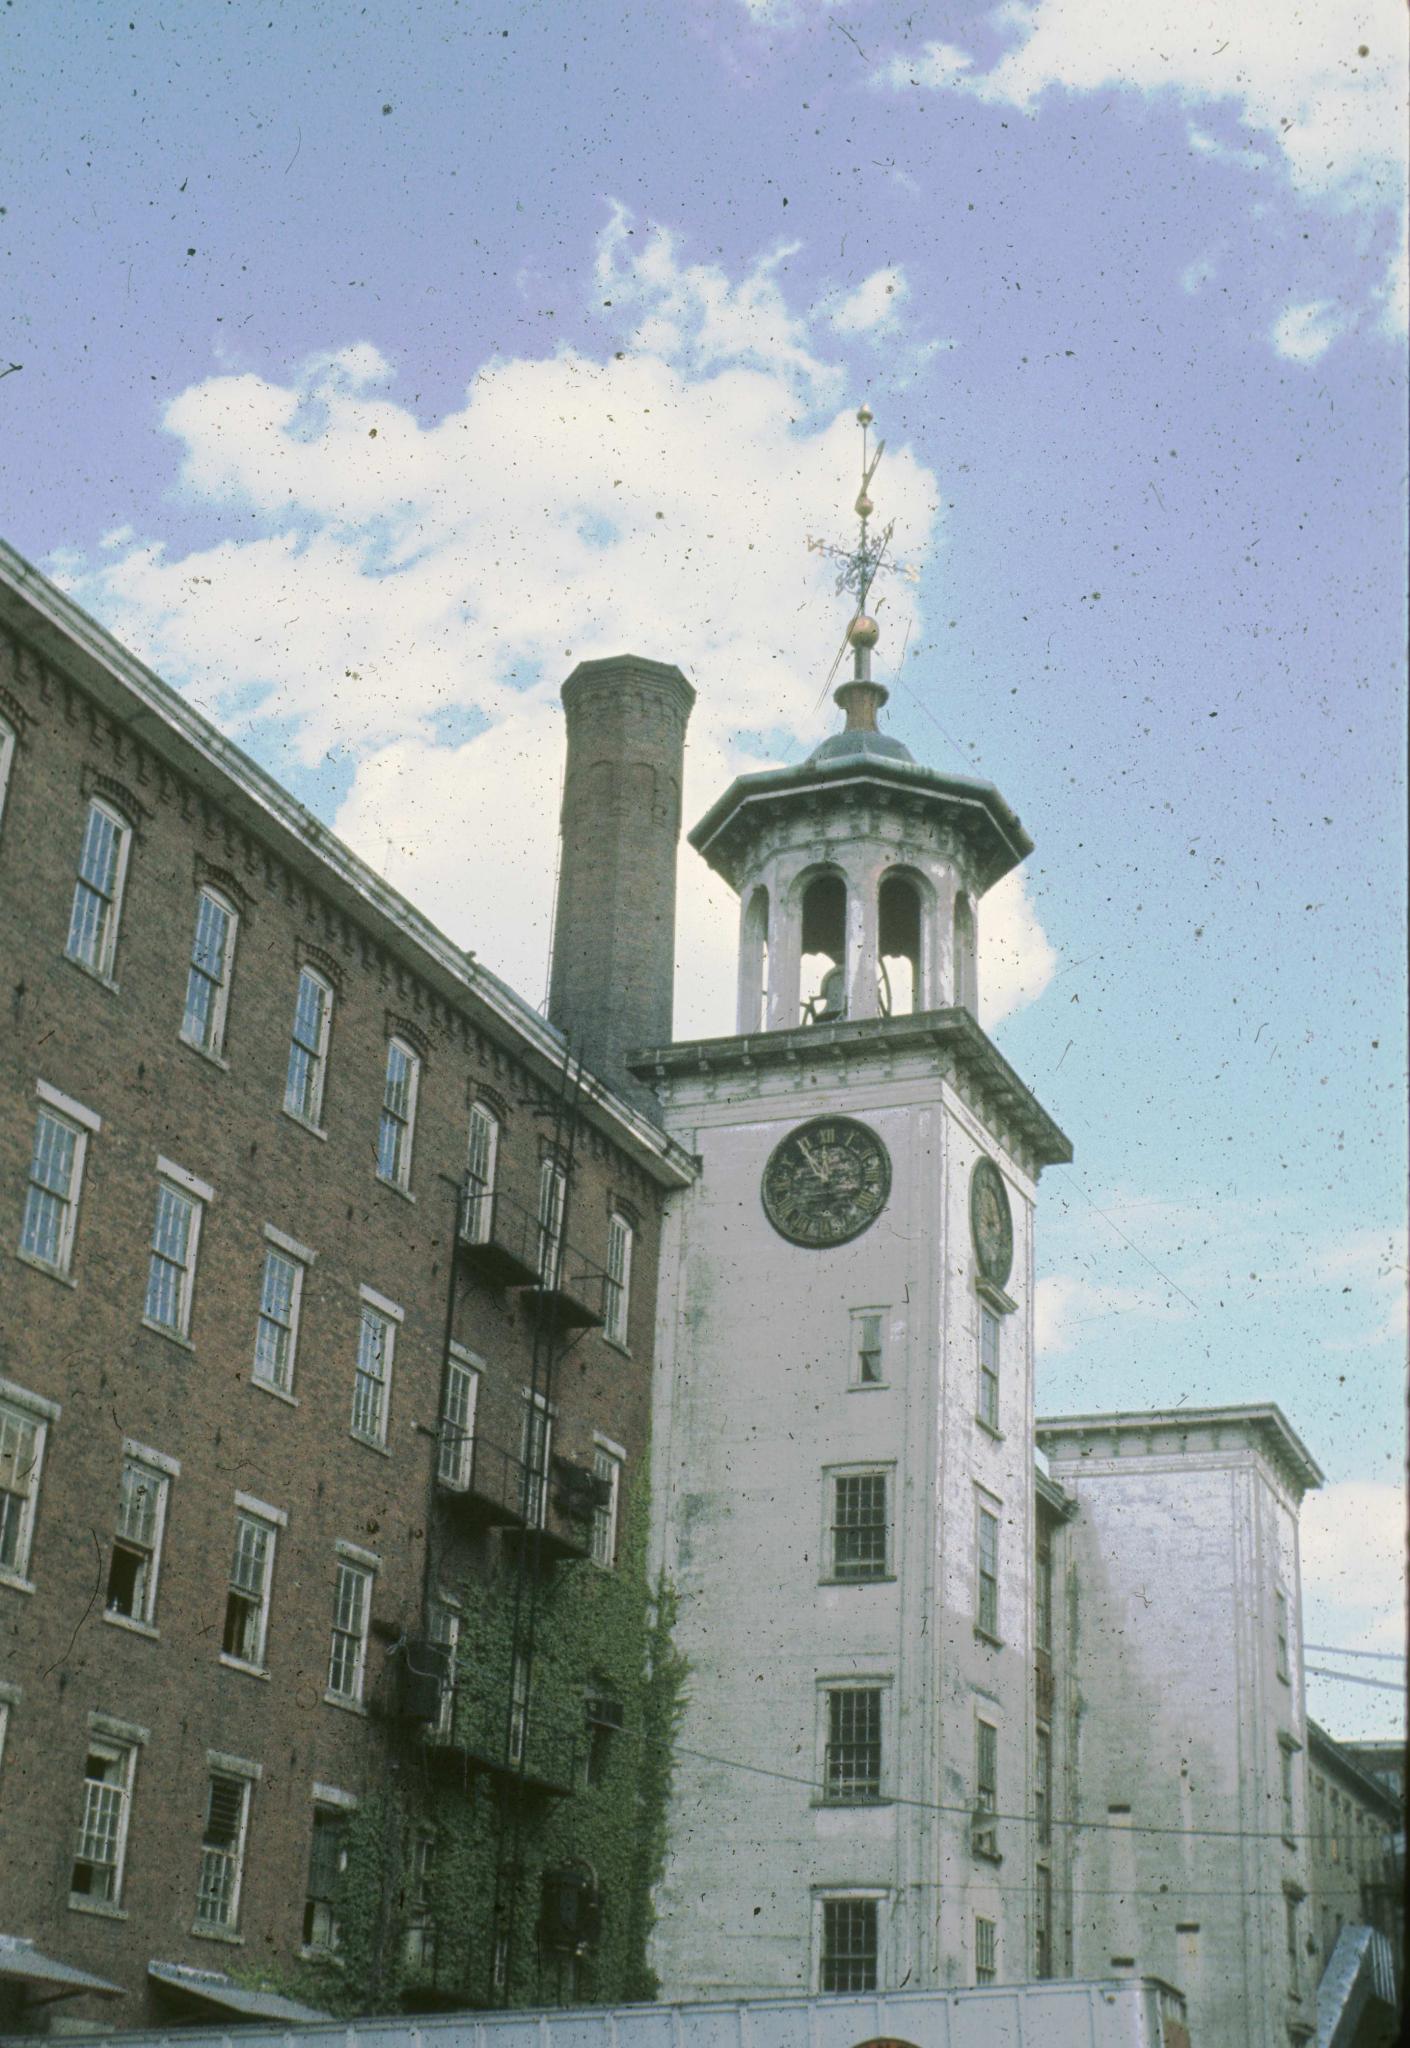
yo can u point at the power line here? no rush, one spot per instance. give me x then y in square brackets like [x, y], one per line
[1353, 1678]
[1335, 1650]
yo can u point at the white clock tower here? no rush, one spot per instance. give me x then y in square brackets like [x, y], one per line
[843, 1424]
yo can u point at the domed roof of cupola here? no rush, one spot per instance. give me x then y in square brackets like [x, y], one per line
[859, 746]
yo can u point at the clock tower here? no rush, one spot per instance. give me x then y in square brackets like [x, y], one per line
[843, 1424]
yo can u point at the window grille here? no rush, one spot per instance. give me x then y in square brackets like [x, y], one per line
[394, 1133]
[308, 1048]
[619, 1280]
[97, 895]
[852, 1760]
[374, 1371]
[481, 1158]
[986, 1951]
[455, 1453]
[859, 1525]
[849, 1945]
[348, 1657]
[987, 1602]
[51, 1199]
[208, 978]
[21, 1449]
[247, 1600]
[276, 1332]
[173, 1260]
[222, 1852]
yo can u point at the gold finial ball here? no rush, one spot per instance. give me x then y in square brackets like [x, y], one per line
[863, 631]
[865, 507]
[865, 416]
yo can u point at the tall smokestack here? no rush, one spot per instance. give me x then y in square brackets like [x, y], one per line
[614, 936]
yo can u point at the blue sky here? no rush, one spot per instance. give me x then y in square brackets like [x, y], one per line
[379, 364]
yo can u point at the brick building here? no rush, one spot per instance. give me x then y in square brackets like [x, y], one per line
[327, 1288]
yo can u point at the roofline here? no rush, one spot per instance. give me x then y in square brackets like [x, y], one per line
[66, 635]
[1265, 1415]
[1320, 1743]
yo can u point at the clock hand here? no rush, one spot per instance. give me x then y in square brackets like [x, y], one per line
[807, 1152]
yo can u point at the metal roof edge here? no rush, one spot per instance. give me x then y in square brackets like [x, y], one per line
[1264, 1416]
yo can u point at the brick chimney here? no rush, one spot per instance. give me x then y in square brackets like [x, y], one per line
[614, 935]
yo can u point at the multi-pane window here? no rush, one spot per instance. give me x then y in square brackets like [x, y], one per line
[137, 1543]
[419, 1946]
[986, 1602]
[860, 1525]
[208, 978]
[518, 1707]
[1042, 1921]
[97, 894]
[247, 1595]
[171, 1272]
[277, 1330]
[481, 1158]
[986, 1788]
[455, 1456]
[607, 1470]
[372, 1381]
[538, 1441]
[988, 1368]
[223, 1851]
[1043, 1787]
[867, 1347]
[1280, 1626]
[308, 1048]
[553, 1195]
[22, 1433]
[102, 1826]
[986, 1950]
[352, 1601]
[852, 1753]
[1043, 1595]
[445, 1630]
[327, 1860]
[847, 1961]
[398, 1123]
[51, 1198]
[619, 1280]
[7, 758]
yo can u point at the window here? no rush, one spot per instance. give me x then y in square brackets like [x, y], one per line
[1043, 1787]
[176, 1234]
[308, 1048]
[208, 978]
[419, 1947]
[518, 1708]
[398, 1124]
[619, 1280]
[859, 1534]
[352, 1600]
[986, 1789]
[55, 1179]
[867, 1347]
[986, 1950]
[327, 1860]
[852, 1754]
[97, 894]
[455, 1456]
[538, 1440]
[137, 1544]
[1285, 1785]
[848, 1953]
[1043, 1596]
[7, 758]
[986, 1605]
[223, 1851]
[1280, 1626]
[988, 1368]
[251, 1579]
[553, 1195]
[102, 1827]
[1290, 1905]
[372, 1381]
[607, 1470]
[280, 1298]
[445, 1630]
[24, 1421]
[481, 1158]
[1043, 1922]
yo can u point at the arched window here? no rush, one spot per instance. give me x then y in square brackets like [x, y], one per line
[966, 972]
[899, 922]
[823, 980]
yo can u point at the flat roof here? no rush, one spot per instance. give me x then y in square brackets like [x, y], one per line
[1262, 1419]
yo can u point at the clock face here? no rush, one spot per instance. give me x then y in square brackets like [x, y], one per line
[826, 1181]
[991, 1223]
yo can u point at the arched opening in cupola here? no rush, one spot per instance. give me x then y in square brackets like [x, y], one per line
[823, 946]
[899, 942]
[754, 964]
[966, 964]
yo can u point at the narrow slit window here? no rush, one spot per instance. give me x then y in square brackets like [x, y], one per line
[7, 761]
[986, 1606]
[989, 1368]
[208, 977]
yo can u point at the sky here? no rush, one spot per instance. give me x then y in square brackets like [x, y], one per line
[365, 369]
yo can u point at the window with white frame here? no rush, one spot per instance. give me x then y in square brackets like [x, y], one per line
[208, 977]
[848, 1945]
[986, 1788]
[352, 1608]
[251, 1582]
[419, 1945]
[868, 1347]
[97, 894]
[24, 1428]
[372, 1379]
[481, 1160]
[986, 1592]
[277, 1327]
[61, 1133]
[986, 1950]
[137, 1542]
[989, 1328]
[445, 1630]
[308, 1048]
[859, 1532]
[538, 1444]
[1043, 1786]
[176, 1236]
[7, 761]
[553, 1195]
[455, 1455]
[619, 1280]
[223, 1839]
[852, 1747]
[397, 1127]
[327, 1860]
[607, 1471]
[101, 1844]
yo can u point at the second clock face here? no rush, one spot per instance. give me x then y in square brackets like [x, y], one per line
[826, 1181]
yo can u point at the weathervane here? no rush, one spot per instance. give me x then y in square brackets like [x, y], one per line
[860, 565]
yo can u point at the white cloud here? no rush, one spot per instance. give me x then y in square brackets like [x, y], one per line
[873, 307]
[1195, 276]
[1063, 1303]
[938, 65]
[412, 594]
[1354, 1592]
[1303, 334]
[1016, 962]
